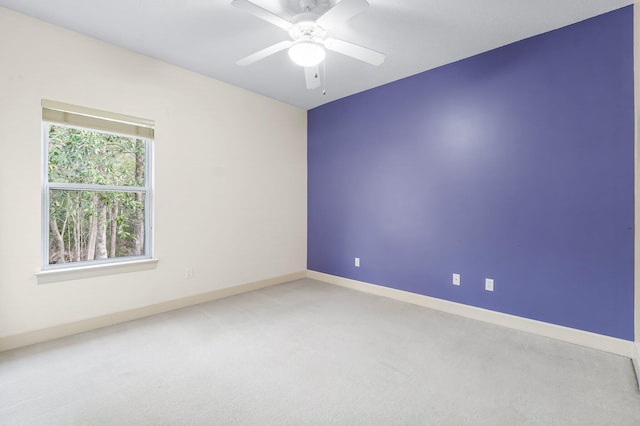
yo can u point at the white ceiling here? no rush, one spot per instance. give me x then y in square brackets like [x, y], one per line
[209, 36]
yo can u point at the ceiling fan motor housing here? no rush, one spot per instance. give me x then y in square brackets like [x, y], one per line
[307, 31]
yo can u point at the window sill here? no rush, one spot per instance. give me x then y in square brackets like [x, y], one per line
[91, 271]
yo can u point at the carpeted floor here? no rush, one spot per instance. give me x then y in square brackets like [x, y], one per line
[309, 353]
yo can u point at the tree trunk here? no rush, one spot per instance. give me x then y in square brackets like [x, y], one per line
[76, 230]
[113, 237]
[101, 225]
[138, 222]
[93, 233]
[59, 241]
[138, 227]
[76, 240]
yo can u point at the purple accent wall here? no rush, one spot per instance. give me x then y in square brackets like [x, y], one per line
[516, 164]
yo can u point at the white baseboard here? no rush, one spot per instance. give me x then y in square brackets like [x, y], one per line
[579, 337]
[50, 333]
[583, 338]
[636, 360]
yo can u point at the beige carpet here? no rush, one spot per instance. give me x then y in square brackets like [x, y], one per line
[308, 353]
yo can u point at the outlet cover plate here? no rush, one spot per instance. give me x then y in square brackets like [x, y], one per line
[456, 279]
[488, 284]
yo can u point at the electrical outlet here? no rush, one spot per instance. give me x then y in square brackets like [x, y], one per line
[488, 284]
[188, 273]
[357, 262]
[456, 279]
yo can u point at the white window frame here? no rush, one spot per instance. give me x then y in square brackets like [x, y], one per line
[77, 117]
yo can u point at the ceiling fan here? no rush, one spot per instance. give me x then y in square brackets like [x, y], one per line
[308, 32]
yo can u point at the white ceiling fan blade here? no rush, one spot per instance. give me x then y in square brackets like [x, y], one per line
[363, 54]
[267, 51]
[341, 12]
[312, 77]
[262, 13]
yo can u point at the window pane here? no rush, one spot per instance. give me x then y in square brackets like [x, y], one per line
[91, 157]
[88, 225]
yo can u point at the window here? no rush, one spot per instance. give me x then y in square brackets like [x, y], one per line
[97, 187]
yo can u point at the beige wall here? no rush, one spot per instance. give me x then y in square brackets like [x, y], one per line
[230, 176]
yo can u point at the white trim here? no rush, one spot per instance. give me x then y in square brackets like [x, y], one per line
[97, 268]
[149, 197]
[55, 332]
[91, 112]
[565, 334]
[89, 118]
[94, 187]
[44, 208]
[636, 361]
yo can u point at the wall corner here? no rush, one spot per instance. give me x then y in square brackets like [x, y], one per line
[636, 66]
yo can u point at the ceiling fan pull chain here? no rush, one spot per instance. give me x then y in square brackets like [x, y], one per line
[324, 77]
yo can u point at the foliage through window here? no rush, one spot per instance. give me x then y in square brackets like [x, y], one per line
[96, 192]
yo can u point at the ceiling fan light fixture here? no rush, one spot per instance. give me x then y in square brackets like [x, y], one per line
[307, 53]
